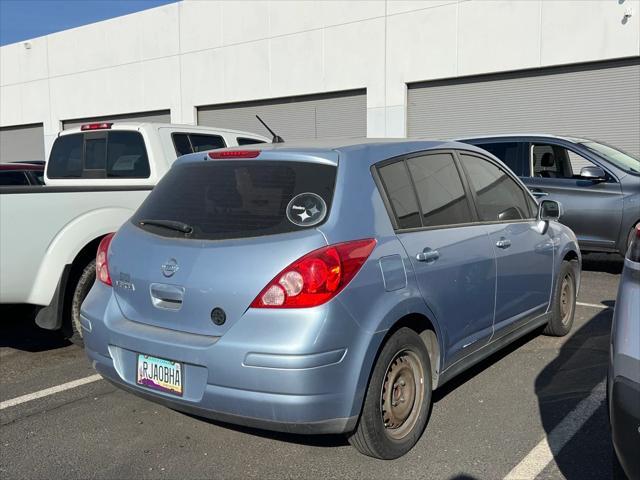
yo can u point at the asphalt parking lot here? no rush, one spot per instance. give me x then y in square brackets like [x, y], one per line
[535, 410]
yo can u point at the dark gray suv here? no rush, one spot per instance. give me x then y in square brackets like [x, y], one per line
[598, 185]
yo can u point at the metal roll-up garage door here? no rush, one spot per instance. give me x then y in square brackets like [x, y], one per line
[327, 115]
[23, 143]
[159, 116]
[598, 100]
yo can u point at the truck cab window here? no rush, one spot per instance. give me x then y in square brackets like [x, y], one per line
[186, 143]
[105, 154]
[127, 156]
[65, 160]
[248, 141]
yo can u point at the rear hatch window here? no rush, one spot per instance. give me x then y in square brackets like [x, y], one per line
[238, 199]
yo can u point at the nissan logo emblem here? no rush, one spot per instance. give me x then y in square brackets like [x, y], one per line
[169, 267]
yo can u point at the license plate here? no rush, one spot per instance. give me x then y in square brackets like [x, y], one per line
[160, 374]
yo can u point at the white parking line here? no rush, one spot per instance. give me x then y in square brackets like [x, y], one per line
[592, 305]
[49, 391]
[549, 447]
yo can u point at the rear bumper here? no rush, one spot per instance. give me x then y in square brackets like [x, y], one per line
[329, 426]
[286, 379]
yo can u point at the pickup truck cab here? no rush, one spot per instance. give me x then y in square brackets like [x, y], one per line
[96, 177]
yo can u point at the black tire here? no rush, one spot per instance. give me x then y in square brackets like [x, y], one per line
[83, 285]
[389, 431]
[563, 308]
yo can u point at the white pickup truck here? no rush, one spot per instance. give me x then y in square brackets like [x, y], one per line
[96, 177]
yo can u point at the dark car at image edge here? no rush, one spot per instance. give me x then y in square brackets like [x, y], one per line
[17, 174]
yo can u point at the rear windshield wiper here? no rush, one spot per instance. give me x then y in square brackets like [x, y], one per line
[169, 224]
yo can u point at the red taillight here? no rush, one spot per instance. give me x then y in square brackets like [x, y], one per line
[217, 155]
[317, 277]
[96, 126]
[102, 264]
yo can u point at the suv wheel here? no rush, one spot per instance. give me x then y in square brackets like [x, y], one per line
[398, 398]
[82, 287]
[563, 307]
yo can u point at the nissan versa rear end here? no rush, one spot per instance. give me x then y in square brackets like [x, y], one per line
[326, 289]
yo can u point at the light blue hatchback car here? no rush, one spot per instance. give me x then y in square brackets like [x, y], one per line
[327, 288]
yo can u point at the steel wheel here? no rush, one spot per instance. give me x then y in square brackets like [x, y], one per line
[567, 300]
[402, 394]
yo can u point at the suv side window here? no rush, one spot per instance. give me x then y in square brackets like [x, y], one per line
[554, 161]
[498, 196]
[440, 191]
[397, 185]
[508, 152]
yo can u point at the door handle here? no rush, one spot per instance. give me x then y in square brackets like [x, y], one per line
[503, 243]
[428, 255]
[536, 192]
[167, 297]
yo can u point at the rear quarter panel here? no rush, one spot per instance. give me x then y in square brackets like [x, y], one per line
[42, 232]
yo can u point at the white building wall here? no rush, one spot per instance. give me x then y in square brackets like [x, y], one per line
[199, 52]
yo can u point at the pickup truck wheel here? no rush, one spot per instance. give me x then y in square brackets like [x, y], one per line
[398, 398]
[84, 284]
[563, 307]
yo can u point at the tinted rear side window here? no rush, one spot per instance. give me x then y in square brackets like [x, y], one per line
[440, 191]
[399, 189]
[498, 196]
[238, 199]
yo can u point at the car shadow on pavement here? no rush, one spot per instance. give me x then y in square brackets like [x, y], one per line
[19, 331]
[580, 366]
[479, 367]
[299, 439]
[341, 440]
[602, 262]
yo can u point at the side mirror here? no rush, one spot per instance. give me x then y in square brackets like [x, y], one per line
[549, 210]
[593, 173]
